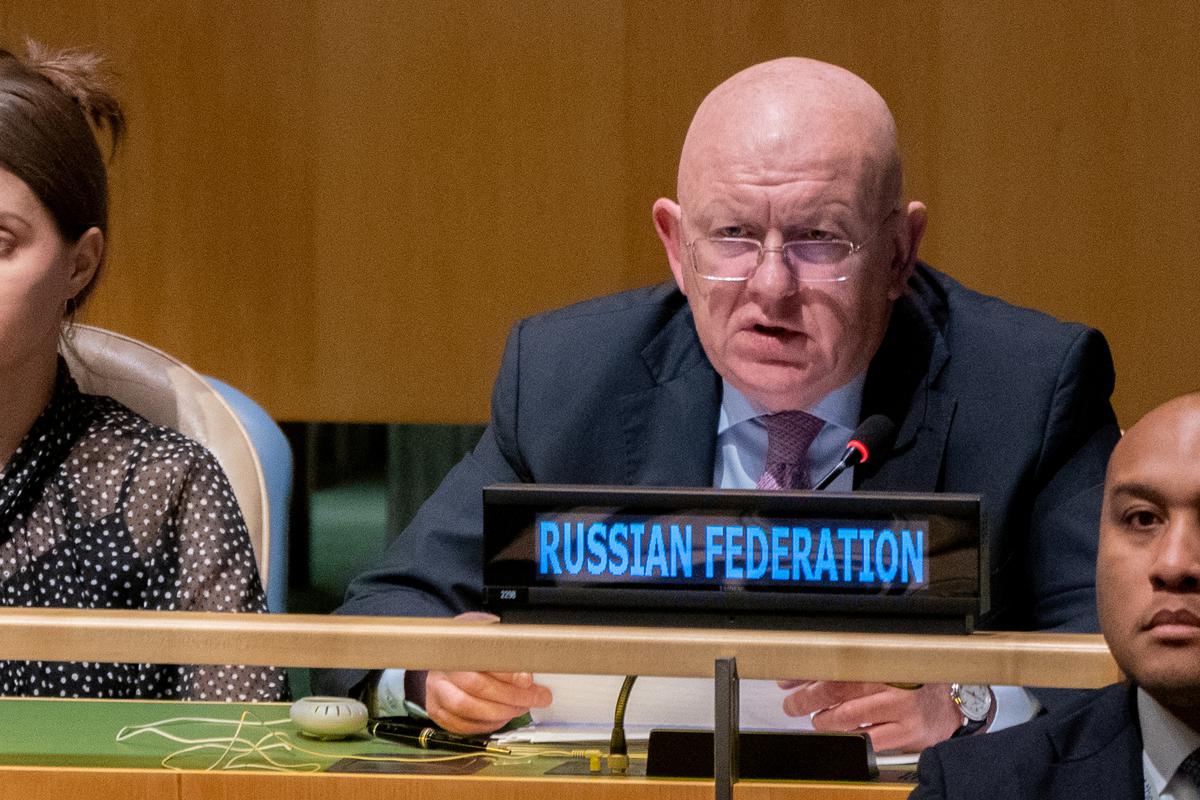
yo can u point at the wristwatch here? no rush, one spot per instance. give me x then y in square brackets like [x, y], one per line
[974, 702]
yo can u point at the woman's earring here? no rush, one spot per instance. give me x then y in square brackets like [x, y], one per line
[68, 323]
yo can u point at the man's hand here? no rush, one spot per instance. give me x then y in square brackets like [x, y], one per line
[897, 719]
[481, 702]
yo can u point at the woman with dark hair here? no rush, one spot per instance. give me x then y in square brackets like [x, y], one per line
[98, 507]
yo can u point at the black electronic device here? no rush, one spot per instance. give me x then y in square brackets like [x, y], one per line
[860, 561]
[766, 755]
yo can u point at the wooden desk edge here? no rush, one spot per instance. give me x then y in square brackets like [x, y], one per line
[1031, 659]
[118, 783]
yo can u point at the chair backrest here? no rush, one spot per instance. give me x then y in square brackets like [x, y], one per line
[275, 455]
[167, 392]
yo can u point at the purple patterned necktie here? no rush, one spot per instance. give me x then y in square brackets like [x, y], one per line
[789, 435]
[1191, 768]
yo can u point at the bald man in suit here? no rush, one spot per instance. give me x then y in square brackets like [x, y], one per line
[796, 289]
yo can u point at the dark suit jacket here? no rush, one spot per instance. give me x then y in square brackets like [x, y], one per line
[1089, 750]
[987, 397]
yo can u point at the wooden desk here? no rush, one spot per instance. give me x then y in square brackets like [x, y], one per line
[65, 767]
[55, 783]
[68, 749]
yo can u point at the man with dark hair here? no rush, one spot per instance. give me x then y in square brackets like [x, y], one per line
[1140, 739]
[798, 308]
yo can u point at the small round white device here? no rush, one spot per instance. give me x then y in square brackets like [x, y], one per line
[328, 717]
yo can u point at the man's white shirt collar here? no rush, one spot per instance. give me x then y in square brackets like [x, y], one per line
[1166, 742]
[840, 407]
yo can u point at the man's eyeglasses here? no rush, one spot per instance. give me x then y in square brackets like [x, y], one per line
[727, 258]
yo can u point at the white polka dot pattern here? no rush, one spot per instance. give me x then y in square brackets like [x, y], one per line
[101, 509]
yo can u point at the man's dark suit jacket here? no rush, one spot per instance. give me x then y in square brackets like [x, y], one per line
[1089, 750]
[987, 398]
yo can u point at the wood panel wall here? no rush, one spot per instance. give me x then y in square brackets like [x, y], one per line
[342, 206]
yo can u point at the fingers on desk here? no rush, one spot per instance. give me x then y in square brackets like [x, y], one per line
[480, 702]
[812, 696]
[896, 719]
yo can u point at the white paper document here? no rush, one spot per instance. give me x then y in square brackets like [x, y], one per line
[584, 704]
[583, 709]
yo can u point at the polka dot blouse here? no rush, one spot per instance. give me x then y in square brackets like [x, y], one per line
[101, 509]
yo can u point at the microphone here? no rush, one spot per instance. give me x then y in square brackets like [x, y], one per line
[874, 436]
[618, 754]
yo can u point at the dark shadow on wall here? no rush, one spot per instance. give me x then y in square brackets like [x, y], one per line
[356, 488]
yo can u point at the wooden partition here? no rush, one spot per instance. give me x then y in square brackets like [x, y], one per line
[341, 206]
[181, 637]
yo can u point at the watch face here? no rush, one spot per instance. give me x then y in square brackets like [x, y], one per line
[974, 700]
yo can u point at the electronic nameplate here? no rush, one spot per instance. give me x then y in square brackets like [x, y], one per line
[863, 561]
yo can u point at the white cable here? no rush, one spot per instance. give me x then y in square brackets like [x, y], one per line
[235, 748]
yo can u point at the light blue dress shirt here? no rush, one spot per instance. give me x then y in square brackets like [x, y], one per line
[742, 437]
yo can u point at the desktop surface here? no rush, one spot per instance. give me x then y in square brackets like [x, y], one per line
[59, 748]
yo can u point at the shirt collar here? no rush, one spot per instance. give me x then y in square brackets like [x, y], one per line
[1166, 741]
[840, 407]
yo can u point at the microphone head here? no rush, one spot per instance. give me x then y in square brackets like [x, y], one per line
[328, 717]
[874, 436]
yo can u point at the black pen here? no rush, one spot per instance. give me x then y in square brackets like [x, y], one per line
[429, 738]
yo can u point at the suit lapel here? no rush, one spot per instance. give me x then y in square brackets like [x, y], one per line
[902, 384]
[1103, 751]
[671, 427]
